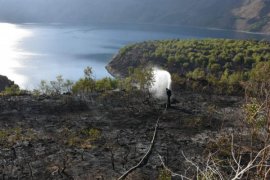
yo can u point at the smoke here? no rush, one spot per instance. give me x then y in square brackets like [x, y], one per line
[162, 80]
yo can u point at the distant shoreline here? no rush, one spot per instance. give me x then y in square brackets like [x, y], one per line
[134, 24]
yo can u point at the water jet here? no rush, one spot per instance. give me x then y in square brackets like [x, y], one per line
[162, 80]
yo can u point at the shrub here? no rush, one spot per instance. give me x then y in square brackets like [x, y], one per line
[198, 73]
[84, 85]
[12, 90]
[106, 84]
[55, 87]
[164, 175]
[143, 77]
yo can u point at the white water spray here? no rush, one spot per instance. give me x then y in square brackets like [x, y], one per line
[162, 80]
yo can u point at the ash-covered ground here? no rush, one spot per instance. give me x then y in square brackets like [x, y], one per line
[103, 135]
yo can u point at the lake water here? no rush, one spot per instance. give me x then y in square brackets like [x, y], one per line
[30, 53]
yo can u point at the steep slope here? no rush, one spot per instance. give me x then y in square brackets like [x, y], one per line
[62, 137]
[253, 16]
[5, 82]
[215, 65]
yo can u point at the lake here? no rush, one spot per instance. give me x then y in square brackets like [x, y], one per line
[30, 53]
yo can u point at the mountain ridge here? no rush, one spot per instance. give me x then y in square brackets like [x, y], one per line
[244, 15]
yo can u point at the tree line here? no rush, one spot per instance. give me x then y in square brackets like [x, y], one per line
[219, 64]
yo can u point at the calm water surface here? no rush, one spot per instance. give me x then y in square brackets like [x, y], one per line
[30, 53]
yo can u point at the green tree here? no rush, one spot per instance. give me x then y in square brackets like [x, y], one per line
[171, 59]
[83, 86]
[106, 84]
[198, 73]
[186, 65]
[143, 77]
[261, 73]
[12, 90]
[239, 59]
[260, 79]
[57, 86]
[126, 84]
[68, 85]
[215, 68]
[225, 76]
[235, 78]
[44, 87]
[86, 84]
[177, 80]
[88, 72]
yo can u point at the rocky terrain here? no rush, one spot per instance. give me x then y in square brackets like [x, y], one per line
[101, 136]
[5, 82]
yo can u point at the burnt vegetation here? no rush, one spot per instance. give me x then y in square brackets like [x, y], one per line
[100, 129]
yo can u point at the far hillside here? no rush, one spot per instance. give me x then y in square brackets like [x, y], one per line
[244, 15]
[222, 65]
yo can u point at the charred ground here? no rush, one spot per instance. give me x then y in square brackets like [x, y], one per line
[101, 136]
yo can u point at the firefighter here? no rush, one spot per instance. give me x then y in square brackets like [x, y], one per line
[169, 94]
